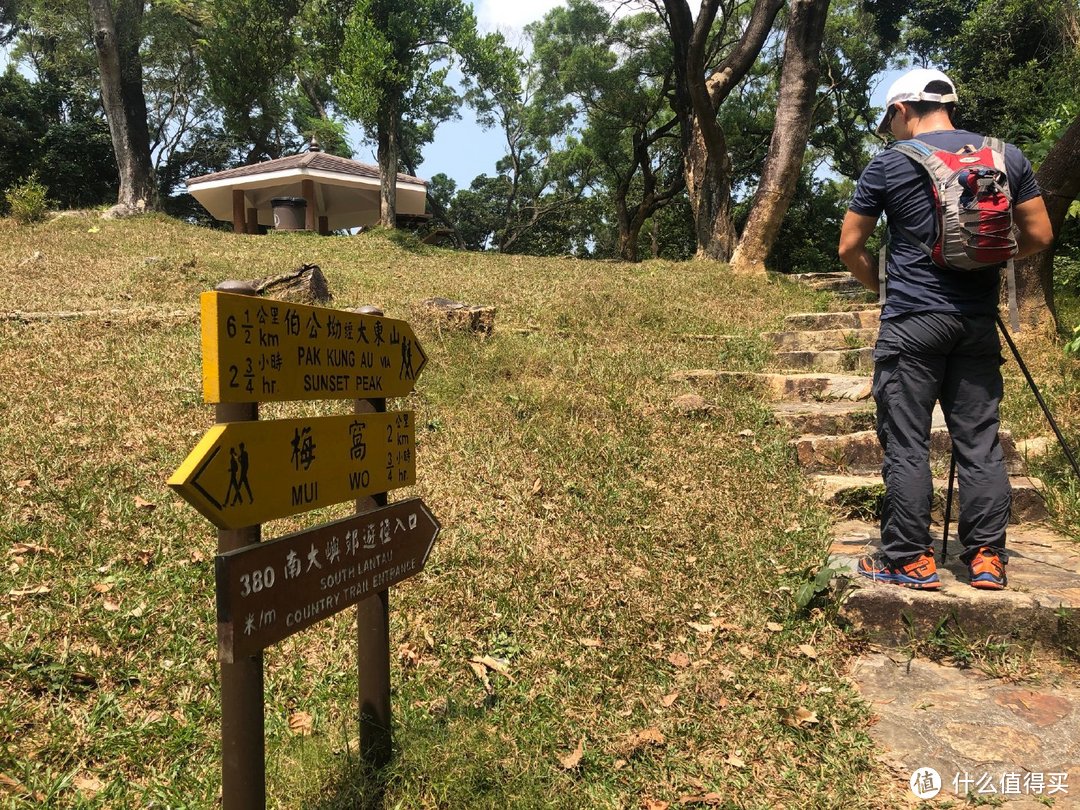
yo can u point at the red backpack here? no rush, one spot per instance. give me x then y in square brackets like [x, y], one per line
[974, 204]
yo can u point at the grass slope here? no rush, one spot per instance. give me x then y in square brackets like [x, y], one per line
[634, 570]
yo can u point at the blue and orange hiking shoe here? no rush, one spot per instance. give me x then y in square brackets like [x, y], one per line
[920, 573]
[987, 570]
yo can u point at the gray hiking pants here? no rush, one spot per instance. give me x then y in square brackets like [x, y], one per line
[921, 358]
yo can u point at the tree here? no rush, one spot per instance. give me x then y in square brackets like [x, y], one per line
[395, 62]
[702, 83]
[619, 73]
[117, 39]
[249, 53]
[798, 88]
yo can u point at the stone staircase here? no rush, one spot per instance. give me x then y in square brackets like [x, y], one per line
[821, 391]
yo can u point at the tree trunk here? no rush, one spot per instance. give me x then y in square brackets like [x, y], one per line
[1059, 178]
[697, 99]
[708, 183]
[388, 165]
[117, 41]
[794, 111]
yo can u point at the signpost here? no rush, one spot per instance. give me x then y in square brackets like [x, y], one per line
[269, 591]
[259, 350]
[244, 472]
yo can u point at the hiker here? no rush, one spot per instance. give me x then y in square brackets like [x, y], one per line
[938, 339]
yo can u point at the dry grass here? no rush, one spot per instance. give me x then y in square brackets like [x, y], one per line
[633, 568]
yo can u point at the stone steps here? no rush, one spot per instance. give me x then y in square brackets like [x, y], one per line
[860, 452]
[859, 496]
[786, 387]
[823, 418]
[821, 339]
[1043, 592]
[831, 360]
[811, 321]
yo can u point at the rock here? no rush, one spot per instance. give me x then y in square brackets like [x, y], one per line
[691, 405]
[444, 312]
[304, 285]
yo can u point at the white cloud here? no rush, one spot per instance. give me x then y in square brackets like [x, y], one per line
[511, 15]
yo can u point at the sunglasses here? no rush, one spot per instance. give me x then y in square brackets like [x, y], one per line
[889, 116]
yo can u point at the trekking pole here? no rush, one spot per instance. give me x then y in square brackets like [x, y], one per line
[948, 505]
[1038, 396]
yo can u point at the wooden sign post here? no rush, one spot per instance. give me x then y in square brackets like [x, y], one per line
[244, 472]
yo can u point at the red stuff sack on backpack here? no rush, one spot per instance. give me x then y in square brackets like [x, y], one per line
[974, 204]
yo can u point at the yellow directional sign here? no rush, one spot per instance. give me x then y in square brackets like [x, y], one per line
[243, 473]
[261, 350]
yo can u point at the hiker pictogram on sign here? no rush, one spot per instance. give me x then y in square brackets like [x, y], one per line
[239, 463]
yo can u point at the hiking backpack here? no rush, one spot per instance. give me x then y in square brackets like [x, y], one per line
[973, 201]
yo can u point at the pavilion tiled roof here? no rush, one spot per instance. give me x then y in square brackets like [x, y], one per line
[317, 161]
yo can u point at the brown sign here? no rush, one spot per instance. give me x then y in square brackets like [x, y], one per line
[268, 591]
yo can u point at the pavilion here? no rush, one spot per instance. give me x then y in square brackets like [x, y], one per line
[340, 193]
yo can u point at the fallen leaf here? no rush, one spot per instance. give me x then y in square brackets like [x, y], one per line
[37, 590]
[408, 655]
[590, 642]
[29, 548]
[653, 804]
[537, 487]
[111, 605]
[668, 700]
[746, 434]
[679, 659]
[197, 556]
[801, 718]
[102, 587]
[573, 759]
[88, 784]
[494, 664]
[735, 761]
[702, 628]
[301, 723]
[619, 764]
[145, 505]
[746, 651]
[648, 736]
[773, 627]
[480, 671]
[95, 229]
[26, 482]
[145, 557]
[707, 798]
[808, 651]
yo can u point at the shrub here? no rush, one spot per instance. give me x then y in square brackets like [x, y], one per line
[27, 200]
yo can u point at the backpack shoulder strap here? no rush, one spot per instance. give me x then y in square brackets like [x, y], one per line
[923, 154]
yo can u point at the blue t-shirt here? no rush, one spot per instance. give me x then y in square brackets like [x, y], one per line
[895, 185]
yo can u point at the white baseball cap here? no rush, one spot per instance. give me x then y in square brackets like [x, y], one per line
[912, 87]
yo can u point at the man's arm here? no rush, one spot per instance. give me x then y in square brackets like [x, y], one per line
[853, 253]
[1033, 223]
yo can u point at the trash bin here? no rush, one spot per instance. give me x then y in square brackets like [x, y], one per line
[290, 213]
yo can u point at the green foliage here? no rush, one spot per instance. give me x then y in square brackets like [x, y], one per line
[27, 200]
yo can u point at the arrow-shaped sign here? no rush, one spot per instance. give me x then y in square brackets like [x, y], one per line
[262, 350]
[243, 473]
[268, 591]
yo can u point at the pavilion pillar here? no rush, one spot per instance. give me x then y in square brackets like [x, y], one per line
[253, 220]
[238, 211]
[307, 191]
[324, 226]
